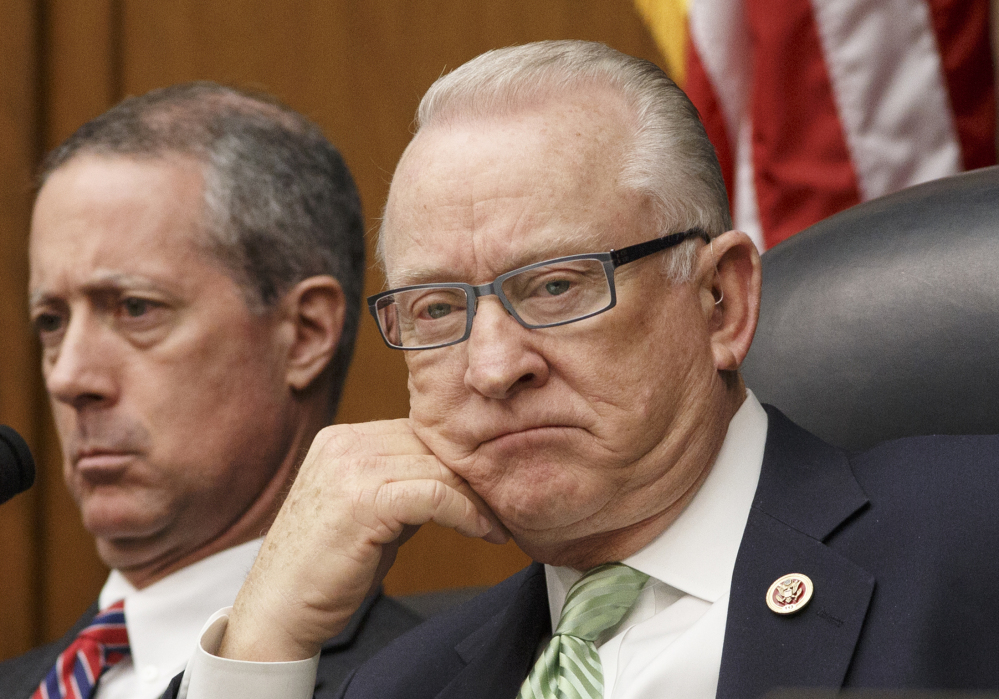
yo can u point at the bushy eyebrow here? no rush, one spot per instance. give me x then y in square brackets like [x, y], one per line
[102, 282]
[557, 245]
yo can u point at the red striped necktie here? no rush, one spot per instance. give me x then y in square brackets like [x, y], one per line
[99, 646]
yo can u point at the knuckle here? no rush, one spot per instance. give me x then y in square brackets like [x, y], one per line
[330, 432]
[377, 509]
[440, 494]
[330, 437]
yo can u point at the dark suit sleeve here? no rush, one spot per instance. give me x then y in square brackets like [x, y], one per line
[482, 649]
[20, 676]
[379, 620]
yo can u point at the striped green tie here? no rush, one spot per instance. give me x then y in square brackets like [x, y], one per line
[569, 668]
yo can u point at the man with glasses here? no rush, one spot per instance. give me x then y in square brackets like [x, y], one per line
[574, 310]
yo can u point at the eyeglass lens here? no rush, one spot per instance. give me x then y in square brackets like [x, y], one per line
[546, 295]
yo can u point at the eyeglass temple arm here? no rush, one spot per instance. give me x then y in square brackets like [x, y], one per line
[636, 252]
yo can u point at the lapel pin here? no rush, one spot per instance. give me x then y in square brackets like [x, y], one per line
[790, 593]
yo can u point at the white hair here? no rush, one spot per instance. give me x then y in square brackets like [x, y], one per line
[671, 160]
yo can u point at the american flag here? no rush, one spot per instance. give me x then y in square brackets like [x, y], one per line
[816, 105]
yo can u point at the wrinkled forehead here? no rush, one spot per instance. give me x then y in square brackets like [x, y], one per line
[99, 216]
[477, 198]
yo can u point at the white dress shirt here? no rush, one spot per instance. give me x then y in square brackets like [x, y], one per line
[673, 636]
[164, 620]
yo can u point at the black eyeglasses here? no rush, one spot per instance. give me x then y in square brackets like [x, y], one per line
[543, 295]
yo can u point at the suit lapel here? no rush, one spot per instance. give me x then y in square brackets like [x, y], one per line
[806, 492]
[812, 648]
[499, 654]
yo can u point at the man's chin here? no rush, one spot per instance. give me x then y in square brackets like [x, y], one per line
[575, 546]
[540, 524]
[132, 553]
[552, 547]
[538, 494]
[118, 557]
[123, 539]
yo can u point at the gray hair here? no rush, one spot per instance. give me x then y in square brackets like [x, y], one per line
[671, 159]
[280, 204]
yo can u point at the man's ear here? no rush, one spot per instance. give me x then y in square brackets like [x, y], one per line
[315, 307]
[729, 268]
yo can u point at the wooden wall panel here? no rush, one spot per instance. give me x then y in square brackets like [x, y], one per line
[80, 80]
[358, 69]
[19, 405]
[82, 73]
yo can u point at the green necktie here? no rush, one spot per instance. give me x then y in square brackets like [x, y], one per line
[569, 668]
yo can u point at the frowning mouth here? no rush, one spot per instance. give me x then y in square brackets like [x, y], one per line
[530, 434]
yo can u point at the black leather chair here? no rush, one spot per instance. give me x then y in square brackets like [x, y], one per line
[883, 321]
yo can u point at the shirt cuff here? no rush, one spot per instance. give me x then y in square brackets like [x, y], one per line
[210, 677]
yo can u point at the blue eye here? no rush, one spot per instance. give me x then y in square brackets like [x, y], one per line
[438, 310]
[559, 286]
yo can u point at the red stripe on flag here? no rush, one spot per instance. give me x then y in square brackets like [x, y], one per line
[802, 163]
[962, 32]
[702, 93]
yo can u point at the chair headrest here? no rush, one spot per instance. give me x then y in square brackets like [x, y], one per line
[883, 321]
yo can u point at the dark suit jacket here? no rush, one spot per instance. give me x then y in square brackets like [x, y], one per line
[378, 621]
[901, 542]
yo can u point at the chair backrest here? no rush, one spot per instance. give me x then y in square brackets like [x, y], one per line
[883, 321]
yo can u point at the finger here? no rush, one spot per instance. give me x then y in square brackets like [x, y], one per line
[416, 502]
[412, 468]
[338, 441]
[382, 452]
[366, 472]
[376, 427]
[498, 534]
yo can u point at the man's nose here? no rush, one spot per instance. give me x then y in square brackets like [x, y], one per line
[502, 359]
[79, 372]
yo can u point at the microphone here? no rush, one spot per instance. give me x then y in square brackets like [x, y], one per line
[17, 468]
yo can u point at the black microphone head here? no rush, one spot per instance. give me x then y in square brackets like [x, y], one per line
[17, 468]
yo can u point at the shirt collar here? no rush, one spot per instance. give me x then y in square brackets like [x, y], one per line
[696, 554]
[165, 619]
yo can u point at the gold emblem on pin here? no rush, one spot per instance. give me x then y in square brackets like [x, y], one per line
[790, 593]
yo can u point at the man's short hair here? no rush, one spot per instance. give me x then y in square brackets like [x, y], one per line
[671, 159]
[280, 204]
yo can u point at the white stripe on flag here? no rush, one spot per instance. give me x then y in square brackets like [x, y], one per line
[59, 670]
[719, 31]
[888, 82]
[746, 210]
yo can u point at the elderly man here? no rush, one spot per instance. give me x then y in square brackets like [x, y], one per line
[574, 315]
[196, 266]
